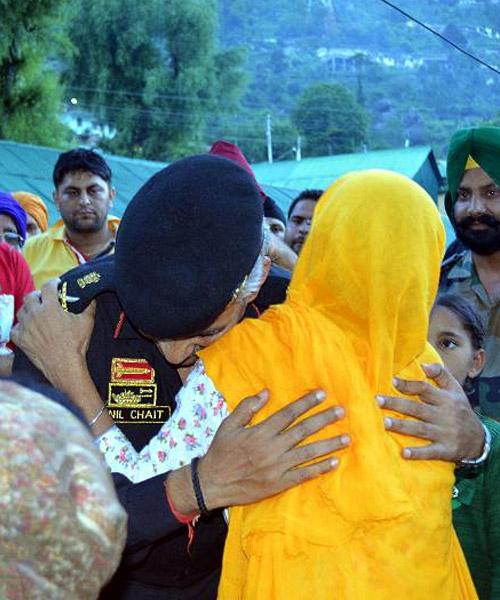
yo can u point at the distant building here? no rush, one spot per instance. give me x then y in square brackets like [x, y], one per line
[86, 128]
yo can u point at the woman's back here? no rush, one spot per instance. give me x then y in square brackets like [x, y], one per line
[357, 312]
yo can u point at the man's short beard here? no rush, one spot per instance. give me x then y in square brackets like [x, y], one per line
[483, 242]
[88, 227]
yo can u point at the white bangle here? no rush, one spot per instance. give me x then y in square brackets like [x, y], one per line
[97, 417]
[471, 462]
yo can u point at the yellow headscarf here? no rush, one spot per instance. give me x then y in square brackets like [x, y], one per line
[357, 313]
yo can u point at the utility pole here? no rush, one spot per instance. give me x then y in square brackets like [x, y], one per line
[269, 139]
[298, 148]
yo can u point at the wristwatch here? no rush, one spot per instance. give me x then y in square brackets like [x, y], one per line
[474, 462]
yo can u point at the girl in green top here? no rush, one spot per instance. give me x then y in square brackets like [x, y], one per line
[457, 333]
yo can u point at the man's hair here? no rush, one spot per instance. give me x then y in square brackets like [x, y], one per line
[253, 281]
[313, 195]
[468, 316]
[81, 159]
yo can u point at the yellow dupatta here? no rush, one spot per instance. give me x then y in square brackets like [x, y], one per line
[379, 527]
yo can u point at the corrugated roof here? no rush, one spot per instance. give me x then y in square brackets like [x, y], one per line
[320, 172]
[29, 168]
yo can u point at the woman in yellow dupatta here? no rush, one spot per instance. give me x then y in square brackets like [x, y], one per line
[379, 527]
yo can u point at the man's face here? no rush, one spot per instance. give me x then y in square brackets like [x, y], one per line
[183, 352]
[32, 227]
[8, 231]
[84, 200]
[477, 212]
[299, 223]
[276, 227]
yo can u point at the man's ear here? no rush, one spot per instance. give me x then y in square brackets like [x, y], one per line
[477, 363]
[55, 197]
[112, 194]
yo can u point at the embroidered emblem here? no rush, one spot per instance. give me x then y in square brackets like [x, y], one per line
[88, 279]
[132, 392]
[137, 370]
[63, 296]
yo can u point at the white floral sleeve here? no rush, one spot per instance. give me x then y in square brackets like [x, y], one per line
[188, 433]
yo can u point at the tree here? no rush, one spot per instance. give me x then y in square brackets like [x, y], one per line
[32, 45]
[330, 120]
[153, 70]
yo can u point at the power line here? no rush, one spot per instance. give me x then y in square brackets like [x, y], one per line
[444, 38]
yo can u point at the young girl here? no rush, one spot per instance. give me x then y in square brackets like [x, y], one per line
[457, 333]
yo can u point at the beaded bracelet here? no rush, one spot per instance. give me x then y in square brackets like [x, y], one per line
[197, 488]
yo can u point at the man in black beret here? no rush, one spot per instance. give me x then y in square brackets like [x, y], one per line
[189, 262]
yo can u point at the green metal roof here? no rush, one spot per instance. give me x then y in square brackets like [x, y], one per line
[320, 172]
[29, 168]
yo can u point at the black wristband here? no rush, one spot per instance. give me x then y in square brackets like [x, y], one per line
[197, 488]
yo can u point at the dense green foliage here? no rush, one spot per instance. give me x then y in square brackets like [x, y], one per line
[154, 72]
[430, 91]
[171, 76]
[30, 92]
[330, 120]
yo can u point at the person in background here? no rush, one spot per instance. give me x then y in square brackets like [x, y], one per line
[274, 217]
[36, 212]
[280, 254]
[15, 277]
[473, 206]
[300, 216]
[457, 333]
[15, 283]
[12, 221]
[63, 529]
[84, 195]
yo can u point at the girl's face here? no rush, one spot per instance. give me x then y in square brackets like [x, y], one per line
[453, 343]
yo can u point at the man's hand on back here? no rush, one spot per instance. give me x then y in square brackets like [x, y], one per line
[444, 417]
[245, 464]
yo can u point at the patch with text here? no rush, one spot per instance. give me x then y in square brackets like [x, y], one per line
[132, 392]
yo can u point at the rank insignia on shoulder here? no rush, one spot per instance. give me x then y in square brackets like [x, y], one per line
[79, 286]
[88, 279]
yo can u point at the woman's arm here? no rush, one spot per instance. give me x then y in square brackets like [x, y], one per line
[188, 433]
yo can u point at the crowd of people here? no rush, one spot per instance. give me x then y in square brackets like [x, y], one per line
[280, 406]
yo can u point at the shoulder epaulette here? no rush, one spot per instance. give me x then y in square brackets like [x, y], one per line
[79, 286]
[448, 264]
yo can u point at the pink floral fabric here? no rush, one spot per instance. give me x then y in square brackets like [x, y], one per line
[188, 433]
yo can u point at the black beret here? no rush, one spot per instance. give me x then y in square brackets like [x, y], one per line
[186, 242]
[272, 210]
